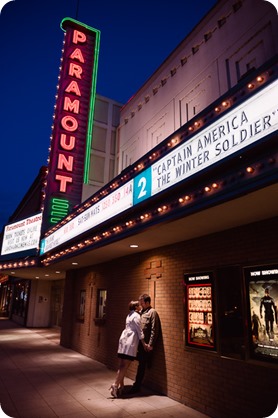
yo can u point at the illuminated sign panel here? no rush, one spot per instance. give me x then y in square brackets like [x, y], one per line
[110, 206]
[72, 121]
[244, 125]
[239, 128]
[23, 235]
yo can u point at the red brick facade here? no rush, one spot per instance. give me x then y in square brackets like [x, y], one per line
[206, 381]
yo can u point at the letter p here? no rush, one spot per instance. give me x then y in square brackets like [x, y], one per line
[78, 37]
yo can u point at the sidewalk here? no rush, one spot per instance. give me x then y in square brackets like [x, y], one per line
[41, 379]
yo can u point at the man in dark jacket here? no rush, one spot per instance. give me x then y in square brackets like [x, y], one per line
[270, 312]
[151, 328]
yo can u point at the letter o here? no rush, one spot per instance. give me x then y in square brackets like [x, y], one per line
[226, 145]
[69, 123]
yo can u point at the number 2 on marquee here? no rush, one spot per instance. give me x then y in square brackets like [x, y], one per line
[142, 186]
[142, 183]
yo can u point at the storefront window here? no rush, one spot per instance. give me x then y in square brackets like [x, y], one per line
[21, 293]
[5, 298]
[101, 304]
[81, 305]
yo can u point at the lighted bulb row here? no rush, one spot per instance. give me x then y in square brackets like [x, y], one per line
[195, 126]
[18, 264]
[116, 229]
[145, 217]
[155, 155]
[53, 117]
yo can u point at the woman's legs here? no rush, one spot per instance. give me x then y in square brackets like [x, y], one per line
[119, 381]
[123, 366]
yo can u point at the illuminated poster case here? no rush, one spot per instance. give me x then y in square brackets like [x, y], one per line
[199, 310]
[262, 290]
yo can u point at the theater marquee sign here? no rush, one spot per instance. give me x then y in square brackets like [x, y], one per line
[72, 128]
[244, 125]
[253, 120]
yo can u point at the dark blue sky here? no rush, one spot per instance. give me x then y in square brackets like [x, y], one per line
[135, 39]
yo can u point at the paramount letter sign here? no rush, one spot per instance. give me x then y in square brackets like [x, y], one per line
[72, 129]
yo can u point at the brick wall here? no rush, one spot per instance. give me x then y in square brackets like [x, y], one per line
[220, 387]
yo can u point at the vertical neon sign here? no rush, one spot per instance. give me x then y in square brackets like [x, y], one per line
[72, 128]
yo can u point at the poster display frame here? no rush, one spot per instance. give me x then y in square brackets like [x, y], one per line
[262, 312]
[200, 310]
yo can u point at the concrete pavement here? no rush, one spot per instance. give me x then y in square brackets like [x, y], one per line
[41, 379]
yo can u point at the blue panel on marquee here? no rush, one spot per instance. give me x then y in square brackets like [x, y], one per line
[142, 186]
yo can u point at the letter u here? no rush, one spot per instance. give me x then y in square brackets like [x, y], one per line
[64, 143]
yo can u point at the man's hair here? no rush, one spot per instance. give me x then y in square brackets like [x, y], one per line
[145, 297]
[133, 304]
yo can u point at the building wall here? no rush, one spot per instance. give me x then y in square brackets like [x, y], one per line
[216, 383]
[234, 38]
[103, 159]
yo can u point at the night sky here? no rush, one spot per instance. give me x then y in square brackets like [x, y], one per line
[135, 39]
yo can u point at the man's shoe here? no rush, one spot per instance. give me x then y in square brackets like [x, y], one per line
[134, 389]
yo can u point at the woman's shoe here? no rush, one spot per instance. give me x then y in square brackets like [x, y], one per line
[114, 390]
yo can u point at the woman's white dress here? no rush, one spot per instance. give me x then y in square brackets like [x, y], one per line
[131, 335]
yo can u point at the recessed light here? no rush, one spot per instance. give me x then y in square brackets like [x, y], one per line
[74, 264]
[133, 246]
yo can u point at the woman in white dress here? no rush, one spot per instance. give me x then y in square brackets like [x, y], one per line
[128, 345]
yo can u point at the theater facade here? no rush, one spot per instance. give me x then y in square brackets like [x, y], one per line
[191, 219]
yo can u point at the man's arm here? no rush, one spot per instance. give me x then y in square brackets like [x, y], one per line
[155, 327]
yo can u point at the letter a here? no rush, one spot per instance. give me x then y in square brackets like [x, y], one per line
[77, 55]
[73, 88]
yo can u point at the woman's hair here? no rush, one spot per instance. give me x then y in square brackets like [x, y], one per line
[133, 304]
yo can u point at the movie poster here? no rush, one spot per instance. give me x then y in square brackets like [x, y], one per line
[262, 287]
[199, 310]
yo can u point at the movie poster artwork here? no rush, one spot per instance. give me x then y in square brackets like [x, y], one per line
[199, 310]
[262, 285]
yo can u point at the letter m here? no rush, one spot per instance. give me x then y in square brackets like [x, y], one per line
[71, 106]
